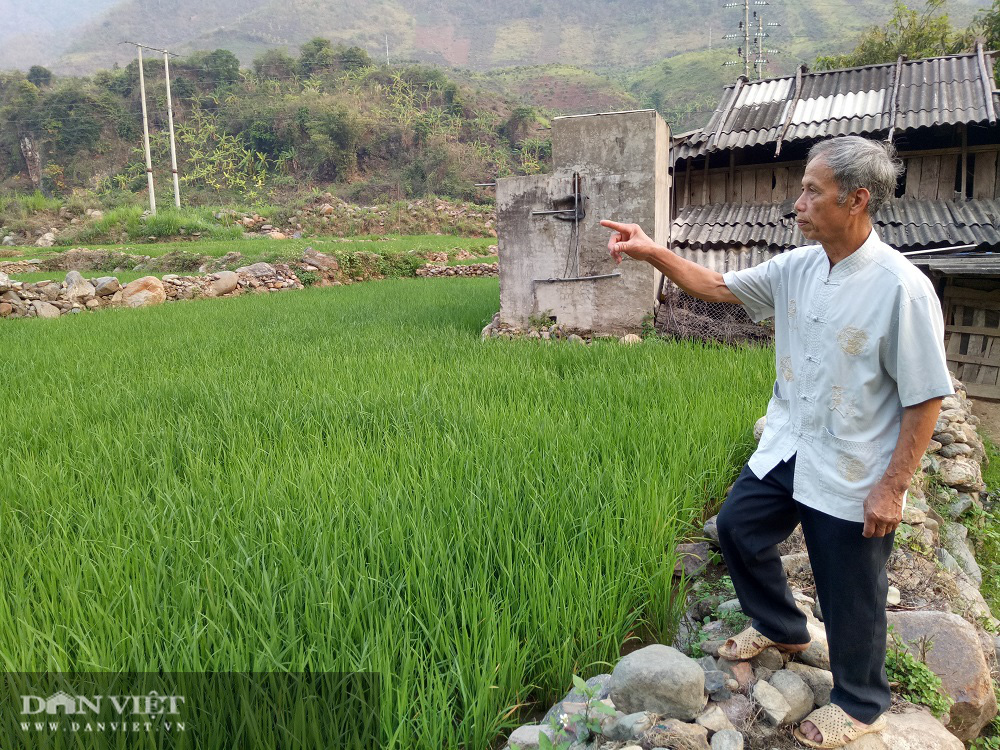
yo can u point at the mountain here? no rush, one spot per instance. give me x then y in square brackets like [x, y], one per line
[81, 37]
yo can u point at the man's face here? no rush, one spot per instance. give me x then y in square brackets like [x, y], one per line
[817, 212]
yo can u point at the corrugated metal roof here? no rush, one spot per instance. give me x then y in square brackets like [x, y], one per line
[904, 224]
[936, 91]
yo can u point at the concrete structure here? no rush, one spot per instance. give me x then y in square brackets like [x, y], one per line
[553, 254]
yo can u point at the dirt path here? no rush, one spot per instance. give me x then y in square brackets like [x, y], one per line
[989, 417]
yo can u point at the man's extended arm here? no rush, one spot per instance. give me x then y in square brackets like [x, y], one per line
[694, 279]
[884, 504]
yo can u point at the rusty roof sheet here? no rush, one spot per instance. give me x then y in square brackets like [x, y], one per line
[935, 91]
[904, 224]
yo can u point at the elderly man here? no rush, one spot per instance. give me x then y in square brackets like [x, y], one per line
[860, 374]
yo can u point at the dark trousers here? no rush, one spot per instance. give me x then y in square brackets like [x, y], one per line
[851, 582]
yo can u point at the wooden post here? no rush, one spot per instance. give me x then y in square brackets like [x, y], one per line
[145, 136]
[965, 160]
[170, 121]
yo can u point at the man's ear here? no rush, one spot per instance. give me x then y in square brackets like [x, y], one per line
[858, 201]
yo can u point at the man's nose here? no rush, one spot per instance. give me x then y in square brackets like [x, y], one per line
[799, 205]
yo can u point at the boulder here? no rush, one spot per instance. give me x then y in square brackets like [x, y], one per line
[320, 260]
[77, 287]
[794, 690]
[143, 292]
[224, 282]
[957, 658]
[44, 309]
[954, 538]
[6, 309]
[105, 286]
[961, 472]
[257, 270]
[775, 709]
[917, 729]
[727, 740]
[661, 680]
[526, 737]
[714, 719]
[820, 681]
[692, 558]
[622, 728]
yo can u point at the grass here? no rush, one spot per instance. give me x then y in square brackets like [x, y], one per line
[332, 480]
[290, 248]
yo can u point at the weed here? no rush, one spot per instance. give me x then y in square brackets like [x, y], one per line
[913, 679]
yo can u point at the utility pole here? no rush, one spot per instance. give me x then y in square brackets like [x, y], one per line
[145, 125]
[760, 51]
[387, 50]
[170, 121]
[145, 136]
[744, 52]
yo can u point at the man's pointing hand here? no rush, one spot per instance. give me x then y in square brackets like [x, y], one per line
[628, 239]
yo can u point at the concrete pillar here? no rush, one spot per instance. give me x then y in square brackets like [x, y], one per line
[622, 160]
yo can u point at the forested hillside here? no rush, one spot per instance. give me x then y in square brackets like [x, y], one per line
[328, 115]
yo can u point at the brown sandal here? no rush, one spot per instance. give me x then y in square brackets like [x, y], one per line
[834, 724]
[751, 642]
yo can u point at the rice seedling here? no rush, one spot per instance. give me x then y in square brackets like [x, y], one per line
[349, 479]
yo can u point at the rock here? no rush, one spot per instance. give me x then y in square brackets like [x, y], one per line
[796, 564]
[957, 658]
[715, 683]
[739, 710]
[769, 658]
[44, 309]
[659, 679]
[776, 710]
[943, 438]
[4, 282]
[676, 735]
[960, 506]
[962, 473]
[714, 720]
[954, 538]
[320, 260]
[224, 283]
[105, 286]
[708, 664]
[917, 729]
[795, 691]
[92, 304]
[956, 449]
[711, 529]
[818, 653]
[913, 515]
[6, 309]
[727, 740]
[46, 240]
[628, 727]
[893, 597]
[526, 737]
[741, 671]
[692, 558]
[77, 287]
[257, 270]
[820, 681]
[143, 292]
[758, 428]
[631, 338]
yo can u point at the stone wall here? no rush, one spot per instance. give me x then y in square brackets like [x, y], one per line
[662, 697]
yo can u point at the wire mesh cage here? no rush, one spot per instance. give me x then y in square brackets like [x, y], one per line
[682, 316]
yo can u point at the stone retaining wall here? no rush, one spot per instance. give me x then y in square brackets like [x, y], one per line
[662, 697]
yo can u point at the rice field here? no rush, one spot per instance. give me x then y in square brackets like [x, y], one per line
[349, 479]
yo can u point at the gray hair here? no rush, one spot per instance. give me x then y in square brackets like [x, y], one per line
[858, 162]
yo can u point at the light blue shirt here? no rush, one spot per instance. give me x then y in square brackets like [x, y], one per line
[854, 344]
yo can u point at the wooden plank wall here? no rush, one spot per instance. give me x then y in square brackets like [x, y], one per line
[972, 334]
[743, 185]
[930, 176]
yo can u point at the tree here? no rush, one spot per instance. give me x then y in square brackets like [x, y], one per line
[989, 25]
[909, 32]
[220, 67]
[39, 76]
[276, 64]
[315, 56]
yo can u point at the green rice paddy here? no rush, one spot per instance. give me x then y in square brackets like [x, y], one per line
[349, 479]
